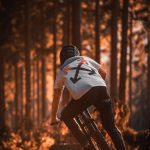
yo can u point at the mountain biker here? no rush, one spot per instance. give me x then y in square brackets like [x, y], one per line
[85, 80]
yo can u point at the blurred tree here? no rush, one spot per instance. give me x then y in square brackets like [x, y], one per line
[97, 30]
[148, 83]
[54, 38]
[130, 61]
[5, 26]
[67, 23]
[33, 82]
[38, 87]
[28, 122]
[16, 91]
[123, 64]
[114, 51]
[2, 94]
[76, 23]
[21, 96]
[147, 25]
[43, 63]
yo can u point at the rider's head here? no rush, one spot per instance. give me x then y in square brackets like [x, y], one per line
[67, 52]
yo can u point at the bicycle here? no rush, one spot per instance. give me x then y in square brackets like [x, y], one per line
[89, 128]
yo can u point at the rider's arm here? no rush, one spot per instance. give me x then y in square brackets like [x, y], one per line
[57, 94]
[65, 96]
[56, 99]
[98, 67]
[102, 72]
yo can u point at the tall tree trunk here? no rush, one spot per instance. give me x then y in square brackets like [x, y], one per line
[43, 67]
[146, 25]
[21, 94]
[16, 95]
[33, 90]
[148, 84]
[76, 23]
[114, 41]
[2, 97]
[43, 71]
[122, 85]
[97, 31]
[67, 24]
[38, 89]
[130, 64]
[54, 39]
[28, 122]
[148, 58]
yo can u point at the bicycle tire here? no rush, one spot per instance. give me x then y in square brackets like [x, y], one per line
[85, 132]
[94, 132]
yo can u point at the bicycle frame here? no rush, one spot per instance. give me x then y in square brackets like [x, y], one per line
[90, 130]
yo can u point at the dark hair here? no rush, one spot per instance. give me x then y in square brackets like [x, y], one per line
[67, 52]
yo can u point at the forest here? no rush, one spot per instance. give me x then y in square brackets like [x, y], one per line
[115, 33]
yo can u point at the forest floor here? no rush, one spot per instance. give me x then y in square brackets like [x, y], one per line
[59, 138]
[48, 137]
[43, 138]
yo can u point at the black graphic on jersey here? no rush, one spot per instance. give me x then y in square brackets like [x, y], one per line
[78, 68]
[76, 79]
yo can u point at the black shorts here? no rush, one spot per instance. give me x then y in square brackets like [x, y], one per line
[95, 96]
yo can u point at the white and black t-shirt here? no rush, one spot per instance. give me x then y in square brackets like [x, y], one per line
[79, 74]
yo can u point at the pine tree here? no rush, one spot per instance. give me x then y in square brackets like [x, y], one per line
[123, 64]
[76, 23]
[114, 51]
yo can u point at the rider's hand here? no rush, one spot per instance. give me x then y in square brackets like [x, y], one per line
[54, 121]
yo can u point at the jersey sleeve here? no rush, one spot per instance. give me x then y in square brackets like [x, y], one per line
[59, 80]
[94, 63]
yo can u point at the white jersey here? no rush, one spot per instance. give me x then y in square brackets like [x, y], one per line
[79, 74]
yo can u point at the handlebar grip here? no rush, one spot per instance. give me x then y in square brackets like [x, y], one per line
[54, 123]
